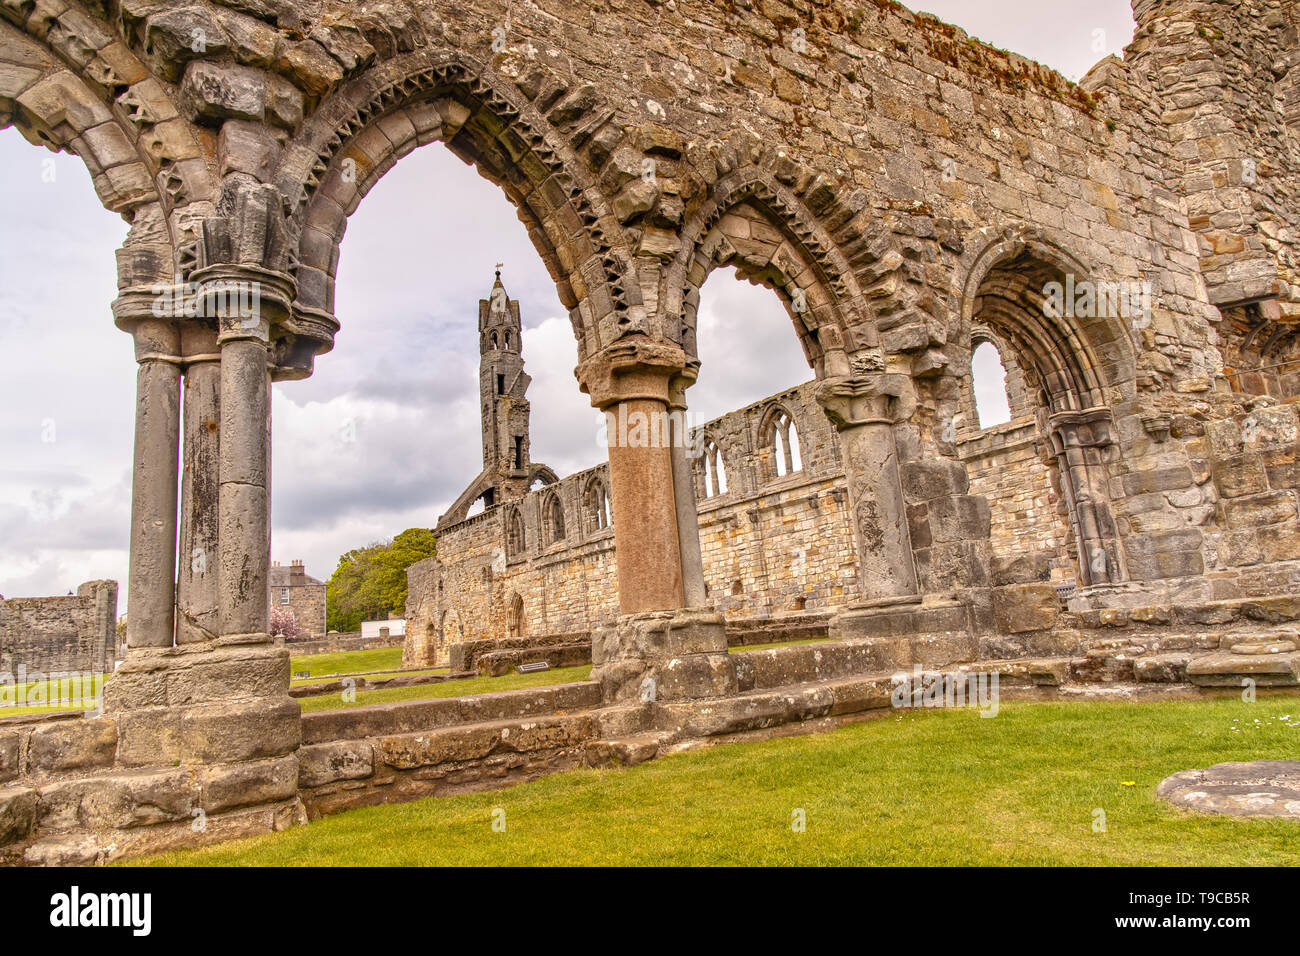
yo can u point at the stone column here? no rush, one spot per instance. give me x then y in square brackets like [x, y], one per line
[659, 650]
[197, 600]
[244, 518]
[863, 409]
[629, 383]
[688, 517]
[151, 588]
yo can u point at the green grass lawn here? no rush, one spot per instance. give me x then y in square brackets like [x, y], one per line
[86, 692]
[451, 688]
[916, 787]
[347, 662]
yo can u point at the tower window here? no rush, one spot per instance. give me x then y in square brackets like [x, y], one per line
[519, 451]
[501, 384]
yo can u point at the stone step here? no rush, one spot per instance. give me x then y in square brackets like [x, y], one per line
[414, 716]
[775, 706]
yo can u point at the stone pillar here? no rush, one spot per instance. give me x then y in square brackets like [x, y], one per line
[197, 601]
[658, 650]
[863, 409]
[688, 517]
[244, 519]
[629, 383]
[151, 587]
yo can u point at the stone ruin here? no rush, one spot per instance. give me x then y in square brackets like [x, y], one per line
[909, 192]
[74, 634]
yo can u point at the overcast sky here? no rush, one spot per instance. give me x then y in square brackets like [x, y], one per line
[386, 433]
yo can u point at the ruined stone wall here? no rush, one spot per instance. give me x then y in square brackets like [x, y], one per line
[772, 544]
[1028, 519]
[49, 635]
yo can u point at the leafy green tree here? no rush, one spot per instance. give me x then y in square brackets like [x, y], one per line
[370, 582]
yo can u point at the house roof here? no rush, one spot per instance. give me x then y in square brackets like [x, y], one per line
[281, 578]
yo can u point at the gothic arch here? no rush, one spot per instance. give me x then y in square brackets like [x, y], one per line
[1076, 368]
[778, 432]
[712, 478]
[68, 91]
[774, 235]
[597, 515]
[1077, 363]
[364, 127]
[553, 519]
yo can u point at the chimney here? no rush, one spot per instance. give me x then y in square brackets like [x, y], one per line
[296, 571]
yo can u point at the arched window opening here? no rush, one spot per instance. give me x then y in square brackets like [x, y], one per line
[989, 382]
[595, 507]
[553, 516]
[780, 444]
[715, 472]
[516, 537]
[515, 616]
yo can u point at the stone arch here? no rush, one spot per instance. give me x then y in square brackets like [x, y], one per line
[778, 443]
[515, 622]
[516, 533]
[755, 220]
[1076, 367]
[1074, 362]
[596, 512]
[553, 531]
[710, 470]
[74, 86]
[363, 128]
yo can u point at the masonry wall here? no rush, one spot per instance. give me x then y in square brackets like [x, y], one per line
[61, 634]
[771, 544]
[1028, 518]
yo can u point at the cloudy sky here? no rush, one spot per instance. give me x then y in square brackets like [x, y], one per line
[386, 433]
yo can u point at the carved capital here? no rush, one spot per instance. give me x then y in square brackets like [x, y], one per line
[634, 367]
[246, 301]
[879, 398]
[1089, 428]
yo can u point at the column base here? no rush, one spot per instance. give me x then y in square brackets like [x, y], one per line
[1127, 594]
[933, 634]
[664, 655]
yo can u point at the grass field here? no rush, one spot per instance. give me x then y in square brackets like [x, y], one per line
[451, 688]
[916, 787]
[347, 662]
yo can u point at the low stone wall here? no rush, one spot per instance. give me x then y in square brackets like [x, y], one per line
[395, 752]
[61, 635]
[339, 643]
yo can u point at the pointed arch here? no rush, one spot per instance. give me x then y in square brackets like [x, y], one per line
[516, 533]
[776, 236]
[427, 95]
[778, 443]
[553, 519]
[710, 470]
[597, 515]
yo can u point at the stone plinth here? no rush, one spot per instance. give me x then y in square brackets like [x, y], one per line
[664, 655]
[934, 634]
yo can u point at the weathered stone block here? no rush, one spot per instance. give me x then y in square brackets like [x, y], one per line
[73, 745]
[227, 786]
[9, 753]
[225, 91]
[1025, 607]
[17, 813]
[248, 730]
[937, 478]
[1240, 475]
[341, 760]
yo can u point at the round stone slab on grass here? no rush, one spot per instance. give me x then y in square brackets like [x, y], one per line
[1255, 788]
